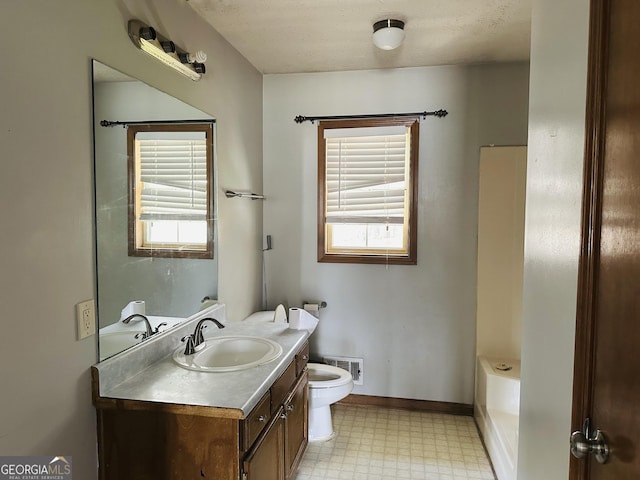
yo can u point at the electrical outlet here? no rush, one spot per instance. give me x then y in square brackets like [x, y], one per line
[86, 319]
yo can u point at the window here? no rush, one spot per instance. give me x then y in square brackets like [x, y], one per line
[170, 170]
[368, 190]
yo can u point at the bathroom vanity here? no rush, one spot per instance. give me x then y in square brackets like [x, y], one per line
[161, 421]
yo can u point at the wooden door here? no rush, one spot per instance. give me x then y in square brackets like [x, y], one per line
[607, 367]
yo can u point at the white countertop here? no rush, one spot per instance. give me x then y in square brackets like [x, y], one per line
[163, 381]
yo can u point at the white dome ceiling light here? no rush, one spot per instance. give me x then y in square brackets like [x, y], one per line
[388, 34]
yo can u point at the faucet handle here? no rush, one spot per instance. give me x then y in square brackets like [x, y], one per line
[190, 348]
[198, 336]
[157, 329]
[141, 336]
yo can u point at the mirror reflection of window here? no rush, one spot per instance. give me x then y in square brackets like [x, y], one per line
[170, 184]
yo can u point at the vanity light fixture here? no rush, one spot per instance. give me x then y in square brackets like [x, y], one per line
[147, 39]
[388, 34]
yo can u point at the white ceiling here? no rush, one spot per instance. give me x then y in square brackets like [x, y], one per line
[292, 36]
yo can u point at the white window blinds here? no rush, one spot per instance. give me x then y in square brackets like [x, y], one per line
[366, 174]
[173, 176]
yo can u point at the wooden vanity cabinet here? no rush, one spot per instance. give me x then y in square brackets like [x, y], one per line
[287, 433]
[154, 441]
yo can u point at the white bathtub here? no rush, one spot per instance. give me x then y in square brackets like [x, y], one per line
[496, 407]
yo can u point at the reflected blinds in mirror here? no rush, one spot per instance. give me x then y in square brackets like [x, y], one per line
[173, 175]
[170, 190]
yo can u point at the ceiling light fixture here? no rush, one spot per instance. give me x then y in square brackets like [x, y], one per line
[388, 34]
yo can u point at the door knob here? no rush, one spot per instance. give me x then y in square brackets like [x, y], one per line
[584, 443]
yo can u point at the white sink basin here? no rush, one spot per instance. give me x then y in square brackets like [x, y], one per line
[229, 353]
[115, 342]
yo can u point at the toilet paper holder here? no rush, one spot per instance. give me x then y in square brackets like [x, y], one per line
[320, 304]
[313, 308]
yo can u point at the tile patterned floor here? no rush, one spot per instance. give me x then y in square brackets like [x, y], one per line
[386, 444]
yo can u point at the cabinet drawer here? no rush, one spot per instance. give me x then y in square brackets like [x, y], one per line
[302, 358]
[282, 386]
[256, 421]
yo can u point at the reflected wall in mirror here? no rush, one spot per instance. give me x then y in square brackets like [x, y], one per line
[172, 289]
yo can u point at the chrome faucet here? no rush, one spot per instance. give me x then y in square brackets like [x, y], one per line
[149, 330]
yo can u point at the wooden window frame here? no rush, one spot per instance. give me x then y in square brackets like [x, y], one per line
[134, 230]
[410, 258]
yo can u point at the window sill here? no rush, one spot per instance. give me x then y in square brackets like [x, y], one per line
[367, 259]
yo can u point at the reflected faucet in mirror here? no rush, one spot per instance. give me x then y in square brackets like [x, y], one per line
[149, 329]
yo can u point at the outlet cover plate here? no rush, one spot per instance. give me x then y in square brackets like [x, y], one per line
[86, 319]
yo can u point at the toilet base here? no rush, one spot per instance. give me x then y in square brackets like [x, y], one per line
[320, 424]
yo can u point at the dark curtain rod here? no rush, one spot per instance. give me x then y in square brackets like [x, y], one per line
[109, 123]
[435, 113]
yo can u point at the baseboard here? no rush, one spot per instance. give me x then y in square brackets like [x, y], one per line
[409, 404]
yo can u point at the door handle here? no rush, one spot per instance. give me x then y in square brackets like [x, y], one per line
[584, 443]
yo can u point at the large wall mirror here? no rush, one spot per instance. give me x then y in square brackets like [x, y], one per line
[165, 288]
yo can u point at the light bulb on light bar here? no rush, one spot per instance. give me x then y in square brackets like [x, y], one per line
[198, 57]
[195, 59]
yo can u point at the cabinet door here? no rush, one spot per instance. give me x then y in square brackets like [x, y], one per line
[265, 461]
[296, 421]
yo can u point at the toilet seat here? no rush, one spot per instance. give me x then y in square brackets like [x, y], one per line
[280, 314]
[327, 376]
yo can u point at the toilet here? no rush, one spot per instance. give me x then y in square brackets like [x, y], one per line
[327, 385]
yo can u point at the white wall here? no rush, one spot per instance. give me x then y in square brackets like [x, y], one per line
[502, 182]
[552, 234]
[413, 325]
[46, 238]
